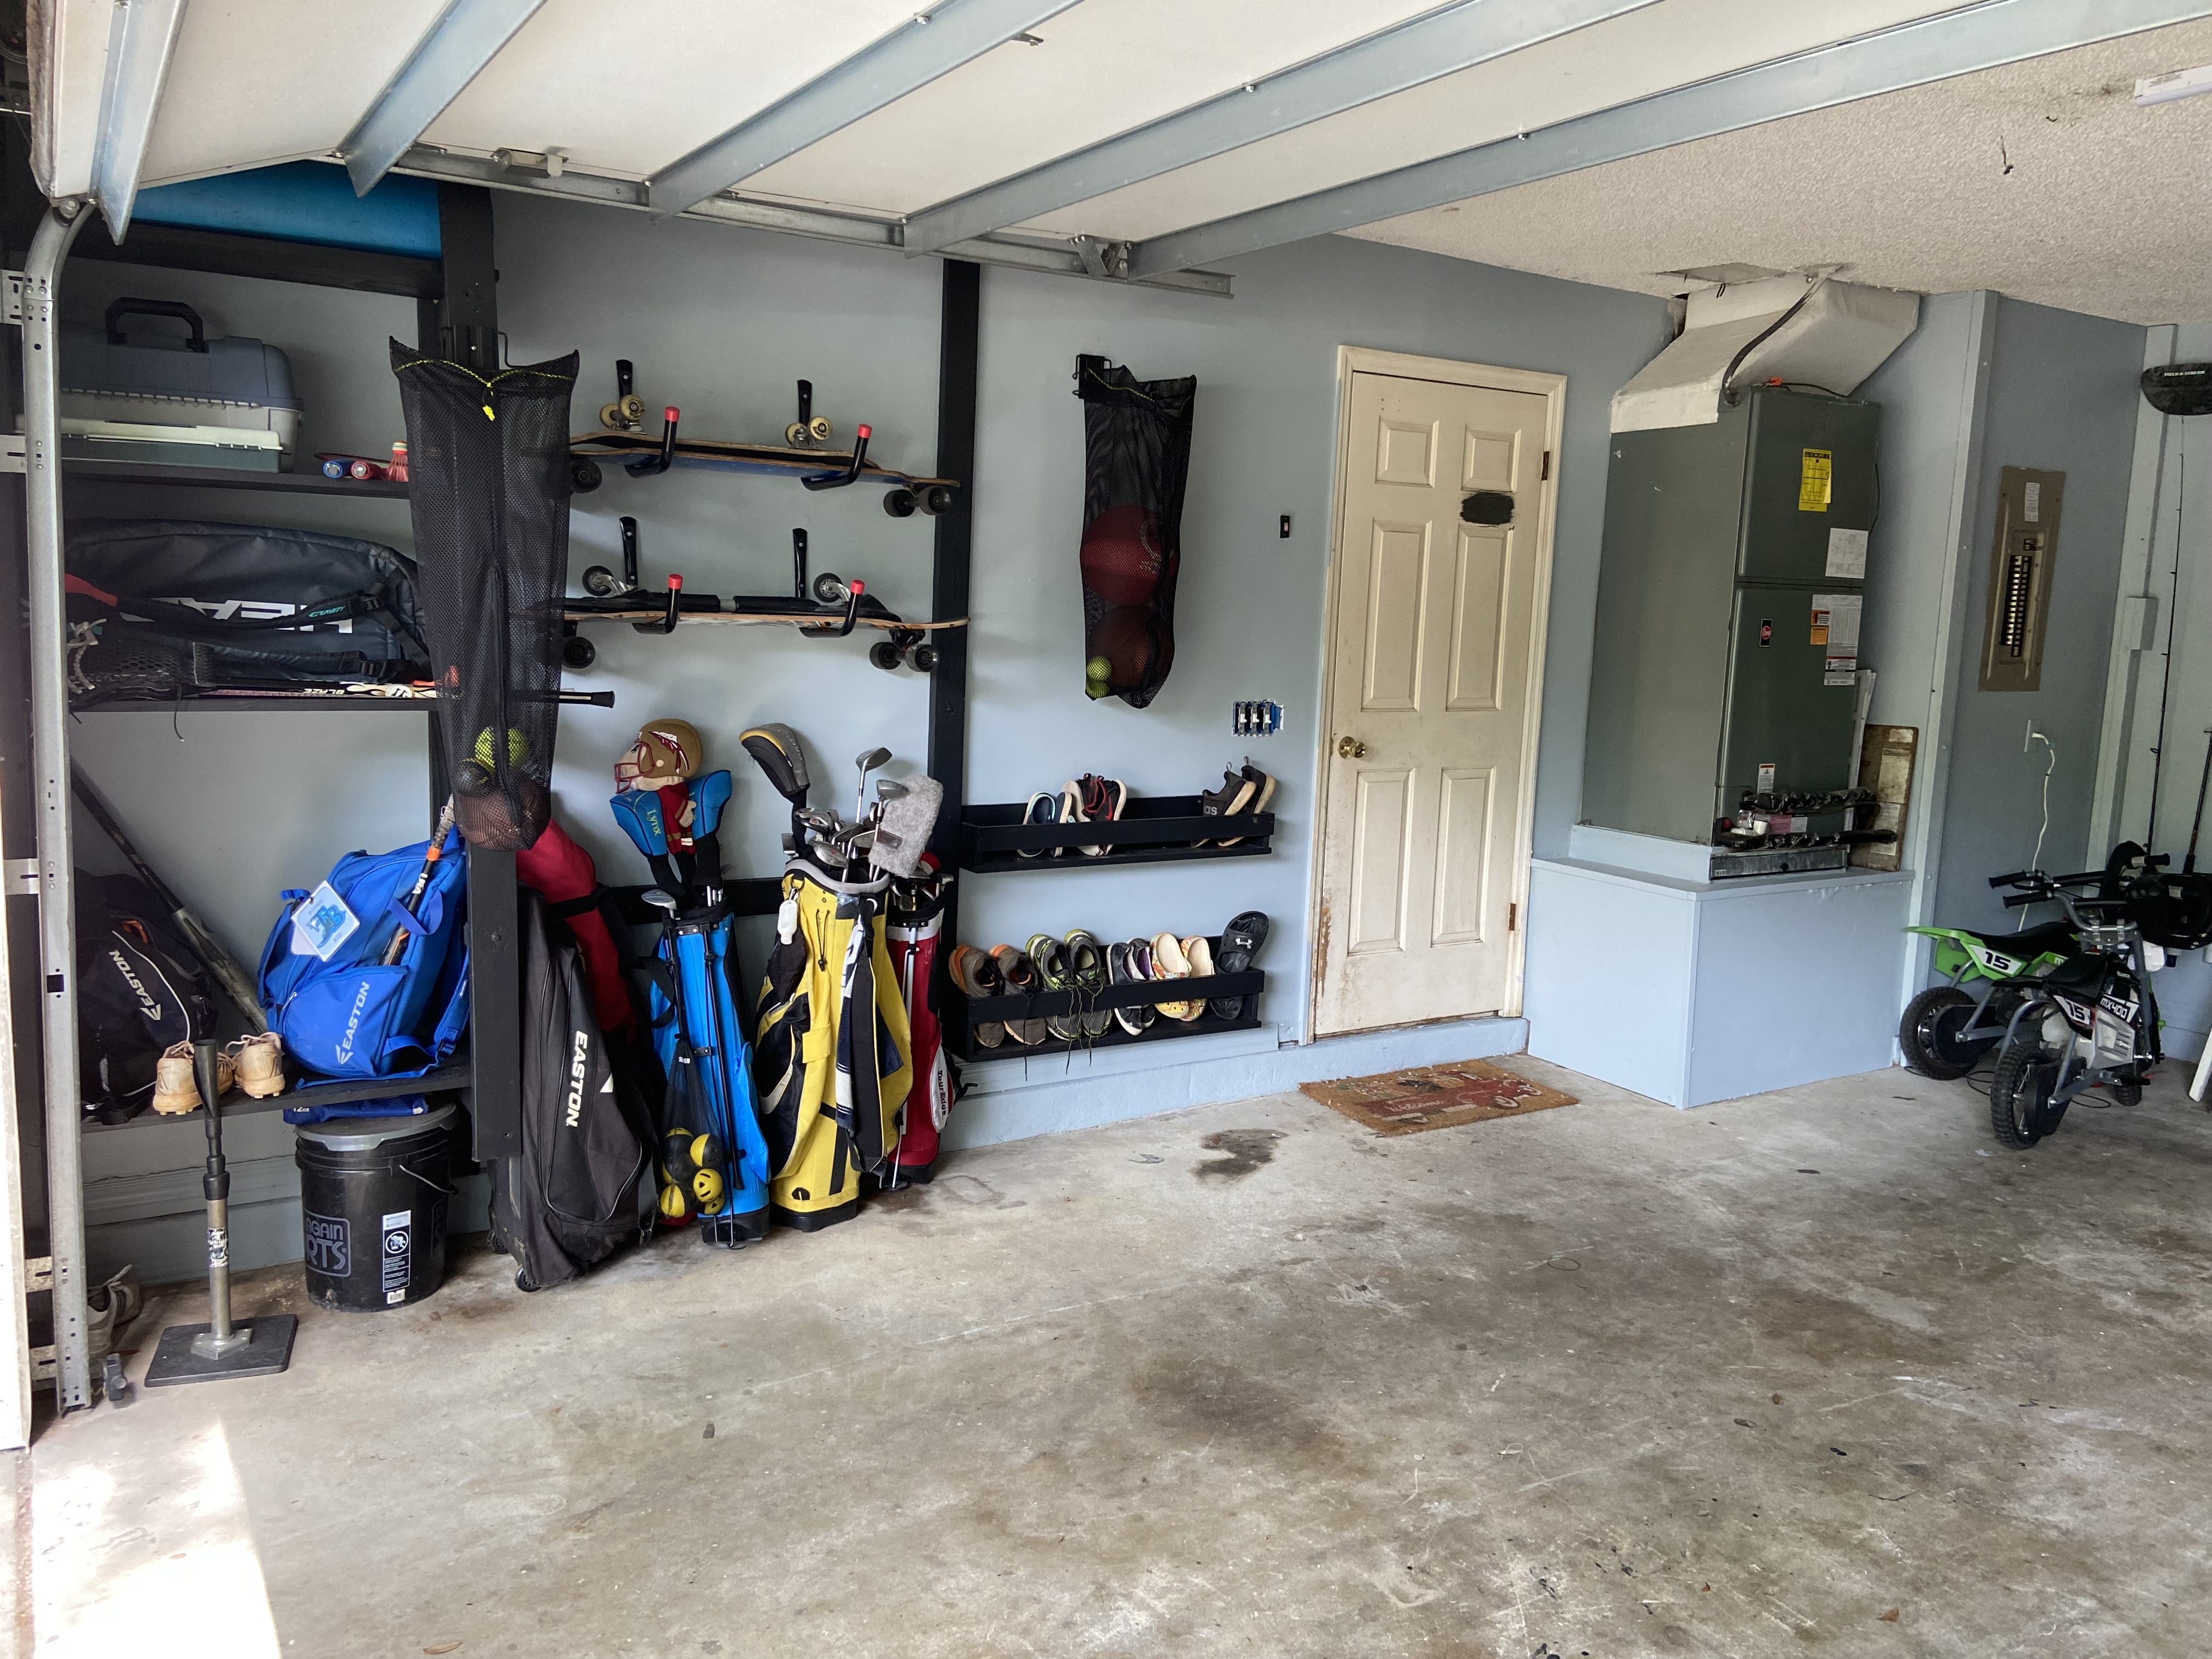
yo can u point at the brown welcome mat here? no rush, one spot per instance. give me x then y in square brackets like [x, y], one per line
[1435, 1098]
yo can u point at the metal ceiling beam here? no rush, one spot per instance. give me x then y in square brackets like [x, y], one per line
[468, 34]
[526, 171]
[142, 37]
[1426, 49]
[1972, 38]
[934, 44]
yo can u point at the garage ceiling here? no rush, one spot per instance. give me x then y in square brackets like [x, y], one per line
[858, 119]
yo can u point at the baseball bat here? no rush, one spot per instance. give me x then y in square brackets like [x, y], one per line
[393, 950]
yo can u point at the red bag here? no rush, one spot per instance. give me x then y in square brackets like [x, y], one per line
[912, 928]
[562, 874]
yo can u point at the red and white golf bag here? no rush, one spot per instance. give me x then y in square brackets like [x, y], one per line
[912, 924]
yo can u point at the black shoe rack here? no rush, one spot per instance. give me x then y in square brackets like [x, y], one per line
[1151, 829]
[974, 1011]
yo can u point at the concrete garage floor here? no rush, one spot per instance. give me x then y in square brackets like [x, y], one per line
[1821, 1370]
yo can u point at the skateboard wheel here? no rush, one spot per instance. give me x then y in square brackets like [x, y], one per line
[795, 435]
[829, 588]
[583, 474]
[936, 499]
[577, 652]
[899, 503]
[818, 428]
[602, 583]
[884, 654]
[633, 411]
[611, 416]
[925, 658]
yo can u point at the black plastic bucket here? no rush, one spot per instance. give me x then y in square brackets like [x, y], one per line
[372, 1197]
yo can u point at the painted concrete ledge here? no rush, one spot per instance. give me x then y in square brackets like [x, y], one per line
[1013, 1099]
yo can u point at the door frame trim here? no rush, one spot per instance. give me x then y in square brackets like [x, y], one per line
[1552, 388]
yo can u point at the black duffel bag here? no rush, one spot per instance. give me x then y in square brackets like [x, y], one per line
[160, 605]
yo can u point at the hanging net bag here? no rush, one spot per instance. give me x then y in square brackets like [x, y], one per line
[1136, 443]
[489, 486]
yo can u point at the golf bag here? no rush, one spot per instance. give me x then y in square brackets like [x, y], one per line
[351, 1016]
[139, 989]
[1136, 443]
[833, 1045]
[582, 1186]
[489, 487]
[708, 1065]
[562, 874]
[912, 932]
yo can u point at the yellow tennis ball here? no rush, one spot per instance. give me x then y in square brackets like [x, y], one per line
[1098, 668]
[518, 748]
[707, 1187]
[675, 1205]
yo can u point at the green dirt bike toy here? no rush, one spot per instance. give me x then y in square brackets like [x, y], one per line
[1947, 1029]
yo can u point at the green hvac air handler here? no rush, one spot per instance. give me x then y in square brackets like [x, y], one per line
[1729, 608]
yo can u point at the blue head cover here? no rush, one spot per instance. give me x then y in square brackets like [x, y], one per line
[709, 795]
[638, 812]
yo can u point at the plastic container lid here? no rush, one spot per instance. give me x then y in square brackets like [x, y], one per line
[362, 1135]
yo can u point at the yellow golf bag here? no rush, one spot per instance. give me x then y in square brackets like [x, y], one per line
[831, 1053]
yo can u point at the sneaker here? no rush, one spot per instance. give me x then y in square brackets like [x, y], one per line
[1071, 810]
[1086, 967]
[1198, 952]
[1169, 963]
[176, 1091]
[1043, 808]
[1234, 796]
[977, 976]
[1263, 791]
[1019, 975]
[259, 1064]
[1103, 801]
[1052, 966]
[1124, 966]
[1240, 942]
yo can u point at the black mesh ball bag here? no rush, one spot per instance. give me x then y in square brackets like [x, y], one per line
[1136, 441]
[489, 486]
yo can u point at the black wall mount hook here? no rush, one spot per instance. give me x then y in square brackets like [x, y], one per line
[852, 472]
[646, 466]
[797, 564]
[602, 583]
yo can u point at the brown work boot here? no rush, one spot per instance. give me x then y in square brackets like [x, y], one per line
[176, 1091]
[259, 1063]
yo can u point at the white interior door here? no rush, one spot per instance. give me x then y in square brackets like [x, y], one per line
[1429, 743]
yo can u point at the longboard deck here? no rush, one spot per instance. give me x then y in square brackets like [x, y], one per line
[836, 620]
[765, 459]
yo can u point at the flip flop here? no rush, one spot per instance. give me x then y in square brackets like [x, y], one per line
[1169, 963]
[1240, 942]
[1234, 796]
[977, 976]
[1048, 799]
[1051, 959]
[1198, 952]
[1022, 980]
[1086, 967]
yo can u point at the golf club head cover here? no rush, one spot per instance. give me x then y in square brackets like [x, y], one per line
[776, 748]
[709, 795]
[908, 820]
[639, 815]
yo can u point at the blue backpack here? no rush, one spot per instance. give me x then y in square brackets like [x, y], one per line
[352, 1017]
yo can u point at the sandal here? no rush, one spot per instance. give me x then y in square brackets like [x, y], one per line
[1086, 967]
[1051, 959]
[1043, 808]
[1240, 942]
[1019, 975]
[1198, 952]
[1169, 963]
[977, 976]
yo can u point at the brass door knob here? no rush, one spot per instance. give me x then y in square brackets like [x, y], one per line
[1351, 748]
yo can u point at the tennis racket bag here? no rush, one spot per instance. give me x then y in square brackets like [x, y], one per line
[351, 1015]
[582, 1187]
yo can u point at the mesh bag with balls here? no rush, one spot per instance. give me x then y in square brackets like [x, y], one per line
[488, 486]
[1136, 440]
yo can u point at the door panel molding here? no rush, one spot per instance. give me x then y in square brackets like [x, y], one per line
[1529, 546]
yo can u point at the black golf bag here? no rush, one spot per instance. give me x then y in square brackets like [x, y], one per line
[583, 1185]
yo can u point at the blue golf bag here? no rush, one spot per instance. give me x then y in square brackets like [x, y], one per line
[702, 1048]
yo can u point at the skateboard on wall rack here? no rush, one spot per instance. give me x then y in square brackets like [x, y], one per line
[804, 454]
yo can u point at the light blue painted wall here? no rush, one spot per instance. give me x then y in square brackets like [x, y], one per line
[2062, 396]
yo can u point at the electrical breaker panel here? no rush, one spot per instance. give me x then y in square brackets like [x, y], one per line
[2021, 565]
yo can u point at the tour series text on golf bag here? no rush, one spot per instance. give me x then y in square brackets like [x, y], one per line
[352, 1016]
[160, 605]
[583, 1184]
[489, 488]
[1136, 444]
[912, 931]
[139, 988]
[831, 1046]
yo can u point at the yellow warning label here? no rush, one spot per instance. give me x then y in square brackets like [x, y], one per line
[1814, 479]
[1820, 624]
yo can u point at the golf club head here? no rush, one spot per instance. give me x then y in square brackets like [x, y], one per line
[639, 815]
[659, 900]
[868, 760]
[889, 789]
[709, 795]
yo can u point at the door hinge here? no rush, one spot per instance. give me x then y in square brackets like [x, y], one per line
[12, 285]
[1512, 917]
[1546, 472]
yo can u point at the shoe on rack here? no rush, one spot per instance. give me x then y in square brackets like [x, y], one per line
[176, 1091]
[1043, 808]
[1051, 958]
[1263, 791]
[1240, 942]
[259, 1064]
[1071, 809]
[977, 976]
[1086, 967]
[1234, 796]
[1198, 952]
[1131, 965]
[1103, 801]
[1169, 963]
[1021, 978]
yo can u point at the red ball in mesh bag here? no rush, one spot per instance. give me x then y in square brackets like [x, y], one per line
[1124, 553]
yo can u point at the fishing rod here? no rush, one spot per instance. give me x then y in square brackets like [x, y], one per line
[2172, 616]
[2197, 824]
